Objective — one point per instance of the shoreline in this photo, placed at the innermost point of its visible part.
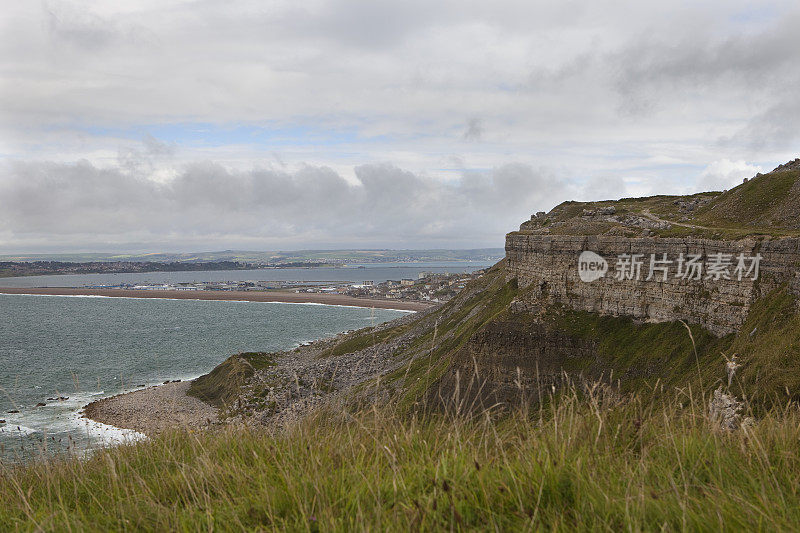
(241, 296)
(152, 410)
(148, 411)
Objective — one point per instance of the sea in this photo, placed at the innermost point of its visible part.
(66, 351)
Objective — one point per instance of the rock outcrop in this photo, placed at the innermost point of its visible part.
(704, 258)
(548, 266)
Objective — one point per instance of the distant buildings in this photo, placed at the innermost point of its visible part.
(433, 287)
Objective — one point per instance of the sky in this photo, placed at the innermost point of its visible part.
(179, 125)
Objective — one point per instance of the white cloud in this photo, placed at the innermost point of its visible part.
(618, 98)
(58, 206)
(726, 174)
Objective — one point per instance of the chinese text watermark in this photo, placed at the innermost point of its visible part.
(660, 267)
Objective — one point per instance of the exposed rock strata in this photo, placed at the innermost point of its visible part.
(548, 266)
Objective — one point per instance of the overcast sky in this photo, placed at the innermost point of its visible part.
(189, 125)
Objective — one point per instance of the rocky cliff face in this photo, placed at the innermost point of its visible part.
(548, 265)
(704, 258)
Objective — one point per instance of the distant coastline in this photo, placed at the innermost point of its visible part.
(260, 296)
(14, 269)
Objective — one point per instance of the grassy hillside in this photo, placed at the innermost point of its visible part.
(477, 336)
(767, 348)
(596, 464)
(221, 386)
(768, 204)
(767, 201)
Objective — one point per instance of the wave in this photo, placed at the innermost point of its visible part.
(17, 429)
(339, 305)
(104, 434)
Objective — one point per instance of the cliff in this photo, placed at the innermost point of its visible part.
(649, 274)
(549, 265)
(650, 295)
(645, 291)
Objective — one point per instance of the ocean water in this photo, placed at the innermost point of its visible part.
(86, 348)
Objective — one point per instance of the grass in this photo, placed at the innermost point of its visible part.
(639, 354)
(765, 206)
(361, 339)
(584, 463)
(431, 354)
(222, 386)
(762, 201)
(768, 347)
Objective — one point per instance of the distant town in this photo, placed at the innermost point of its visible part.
(427, 287)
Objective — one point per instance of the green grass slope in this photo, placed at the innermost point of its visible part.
(766, 205)
(221, 386)
(768, 201)
(579, 465)
(643, 355)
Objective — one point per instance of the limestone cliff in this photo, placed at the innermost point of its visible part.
(549, 265)
(600, 291)
(655, 267)
(650, 275)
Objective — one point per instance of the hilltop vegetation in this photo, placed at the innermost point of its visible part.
(766, 201)
(766, 205)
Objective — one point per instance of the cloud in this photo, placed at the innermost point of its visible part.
(725, 174)
(76, 26)
(135, 159)
(58, 205)
(474, 131)
(611, 187)
(530, 69)
(699, 69)
(225, 121)
(66, 24)
(774, 128)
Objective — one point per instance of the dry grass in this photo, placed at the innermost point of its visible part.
(588, 461)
